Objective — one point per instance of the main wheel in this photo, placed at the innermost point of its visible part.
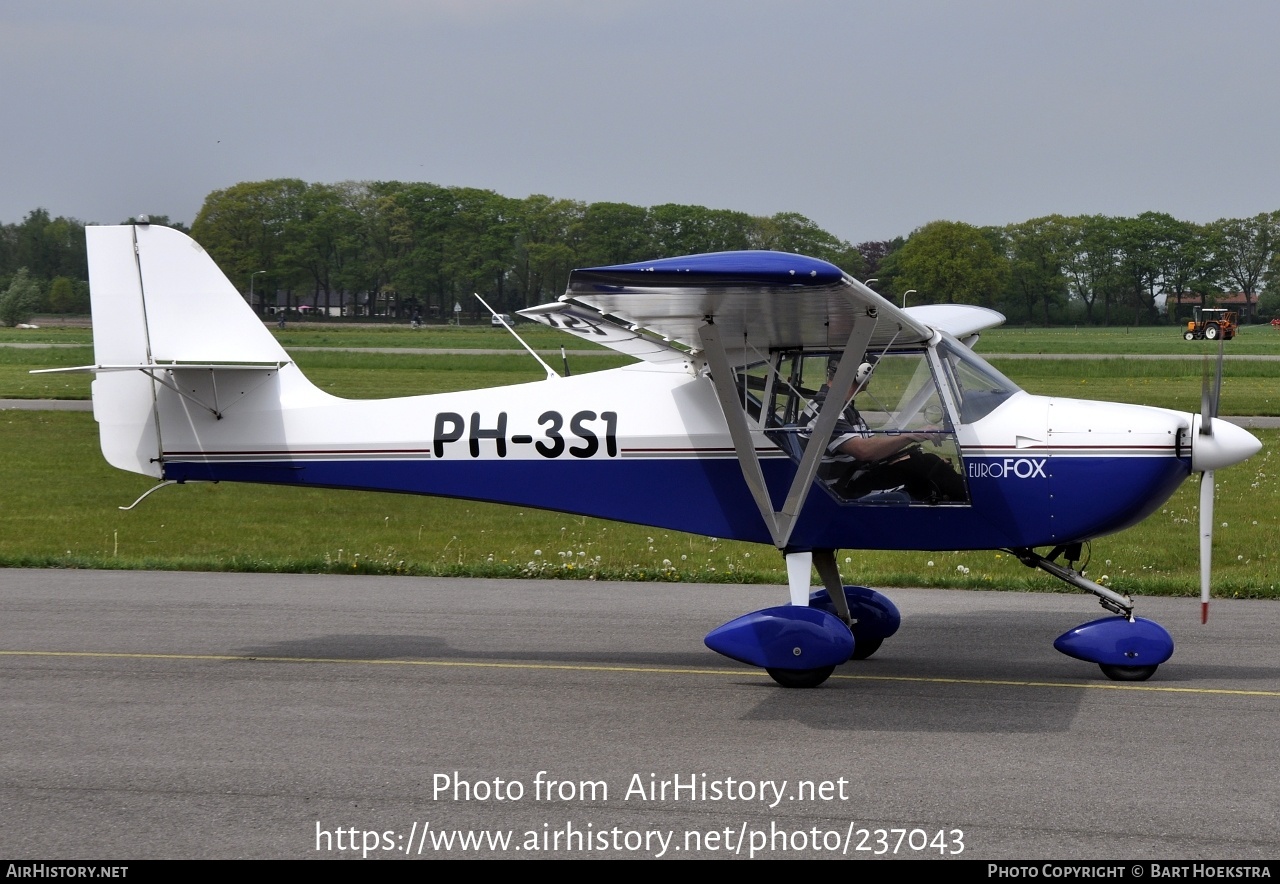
(865, 647)
(1190, 336)
(1211, 332)
(1127, 673)
(801, 678)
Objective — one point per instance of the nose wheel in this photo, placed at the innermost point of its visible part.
(865, 647)
(800, 678)
(1127, 673)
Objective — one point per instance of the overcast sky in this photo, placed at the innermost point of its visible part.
(869, 118)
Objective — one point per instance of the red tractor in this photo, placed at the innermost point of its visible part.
(1211, 323)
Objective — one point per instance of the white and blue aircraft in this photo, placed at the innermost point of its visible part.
(738, 359)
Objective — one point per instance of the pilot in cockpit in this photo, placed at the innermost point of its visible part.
(860, 462)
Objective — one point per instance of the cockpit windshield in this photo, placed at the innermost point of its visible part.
(978, 388)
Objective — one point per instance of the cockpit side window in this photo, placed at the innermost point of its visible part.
(914, 458)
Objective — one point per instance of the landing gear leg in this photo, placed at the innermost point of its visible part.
(865, 641)
(1125, 647)
(824, 560)
(1109, 599)
(799, 565)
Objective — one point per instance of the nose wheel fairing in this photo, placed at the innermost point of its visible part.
(1126, 649)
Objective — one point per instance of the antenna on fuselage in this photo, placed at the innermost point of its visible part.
(551, 372)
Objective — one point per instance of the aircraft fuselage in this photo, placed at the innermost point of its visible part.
(649, 446)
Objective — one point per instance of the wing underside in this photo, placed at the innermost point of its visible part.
(760, 300)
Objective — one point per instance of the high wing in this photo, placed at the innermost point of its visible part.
(964, 321)
(588, 324)
(731, 308)
(769, 300)
(759, 299)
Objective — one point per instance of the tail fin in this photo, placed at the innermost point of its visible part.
(159, 301)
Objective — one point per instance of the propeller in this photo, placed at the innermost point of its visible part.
(1216, 444)
(1209, 396)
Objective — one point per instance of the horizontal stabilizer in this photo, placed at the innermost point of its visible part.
(167, 366)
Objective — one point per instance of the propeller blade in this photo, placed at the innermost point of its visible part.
(1210, 396)
(1206, 540)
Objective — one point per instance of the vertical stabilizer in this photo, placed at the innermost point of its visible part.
(157, 297)
(194, 313)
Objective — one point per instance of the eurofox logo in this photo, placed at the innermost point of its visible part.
(1009, 468)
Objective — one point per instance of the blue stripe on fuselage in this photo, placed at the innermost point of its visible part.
(1064, 499)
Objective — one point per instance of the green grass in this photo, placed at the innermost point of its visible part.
(467, 337)
(60, 510)
(355, 375)
(17, 382)
(51, 334)
(1250, 388)
(1164, 340)
(1152, 340)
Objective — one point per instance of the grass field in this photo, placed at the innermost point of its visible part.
(1250, 388)
(354, 375)
(1163, 340)
(60, 503)
(60, 510)
(349, 334)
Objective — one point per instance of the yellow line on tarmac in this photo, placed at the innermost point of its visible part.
(1087, 685)
(255, 658)
(657, 670)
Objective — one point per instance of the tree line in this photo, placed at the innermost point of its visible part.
(44, 266)
(397, 248)
(1093, 269)
(402, 247)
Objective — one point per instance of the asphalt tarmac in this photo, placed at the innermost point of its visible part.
(185, 715)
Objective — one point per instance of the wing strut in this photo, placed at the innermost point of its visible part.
(782, 522)
(551, 372)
